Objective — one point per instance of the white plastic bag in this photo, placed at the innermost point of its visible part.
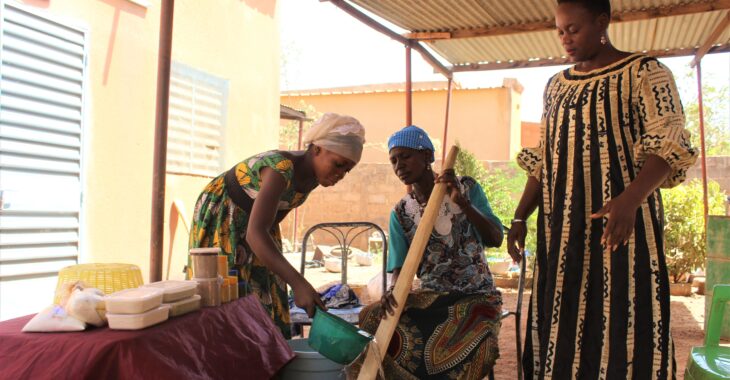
(53, 319)
(87, 305)
(375, 286)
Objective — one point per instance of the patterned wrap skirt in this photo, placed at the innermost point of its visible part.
(441, 335)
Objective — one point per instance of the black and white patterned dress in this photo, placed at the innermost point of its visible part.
(596, 314)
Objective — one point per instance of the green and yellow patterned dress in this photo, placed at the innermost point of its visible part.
(218, 222)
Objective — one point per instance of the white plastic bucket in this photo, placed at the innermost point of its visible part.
(309, 364)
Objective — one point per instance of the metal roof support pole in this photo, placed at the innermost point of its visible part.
(409, 87)
(707, 46)
(702, 139)
(164, 55)
(446, 123)
(296, 210)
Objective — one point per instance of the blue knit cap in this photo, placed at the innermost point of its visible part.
(411, 137)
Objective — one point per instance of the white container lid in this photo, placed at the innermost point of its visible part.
(206, 251)
(139, 321)
(218, 279)
(174, 290)
(135, 300)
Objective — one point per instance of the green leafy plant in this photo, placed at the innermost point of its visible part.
(684, 228)
(503, 189)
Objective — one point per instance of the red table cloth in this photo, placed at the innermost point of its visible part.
(235, 340)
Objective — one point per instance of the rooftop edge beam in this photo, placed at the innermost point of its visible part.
(565, 61)
(707, 45)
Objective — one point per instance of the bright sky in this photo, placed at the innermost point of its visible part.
(323, 47)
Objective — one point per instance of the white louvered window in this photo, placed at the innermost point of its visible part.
(196, 121)
(42, 69)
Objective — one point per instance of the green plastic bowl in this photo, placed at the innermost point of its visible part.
(336, 339)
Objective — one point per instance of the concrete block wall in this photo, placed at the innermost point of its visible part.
(369, 192)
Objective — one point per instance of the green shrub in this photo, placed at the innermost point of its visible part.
(503, 190)
(684, 228)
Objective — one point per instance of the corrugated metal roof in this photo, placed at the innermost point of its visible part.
(445, 15)
(689, 27)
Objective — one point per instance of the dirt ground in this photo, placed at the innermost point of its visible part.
(687, 316)
(357, 276)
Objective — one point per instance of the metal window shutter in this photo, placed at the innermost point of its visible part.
(41, 81)
(196, 120)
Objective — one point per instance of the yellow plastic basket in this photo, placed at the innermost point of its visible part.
(108, 278)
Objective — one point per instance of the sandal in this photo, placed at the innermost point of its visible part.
(313, 264)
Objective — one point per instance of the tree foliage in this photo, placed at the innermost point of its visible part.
(716, 113)
(289, 132)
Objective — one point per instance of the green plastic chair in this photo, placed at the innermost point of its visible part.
(711, 361)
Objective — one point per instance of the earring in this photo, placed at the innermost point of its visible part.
(604, 40)
(428, 167)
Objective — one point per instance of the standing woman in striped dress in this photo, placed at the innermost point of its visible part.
(612, 133)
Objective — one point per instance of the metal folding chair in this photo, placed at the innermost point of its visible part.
(345, 233)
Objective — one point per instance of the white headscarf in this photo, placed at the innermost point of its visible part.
(341, 134)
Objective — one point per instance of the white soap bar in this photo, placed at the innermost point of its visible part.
(184, 306)
(175, 290)
(133, 301)
(139, 321)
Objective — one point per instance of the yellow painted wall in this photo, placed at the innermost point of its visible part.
(233, 39)
(243, 48)
(484, 121)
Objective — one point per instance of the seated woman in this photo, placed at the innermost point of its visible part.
(240, 210)
(449, 327)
